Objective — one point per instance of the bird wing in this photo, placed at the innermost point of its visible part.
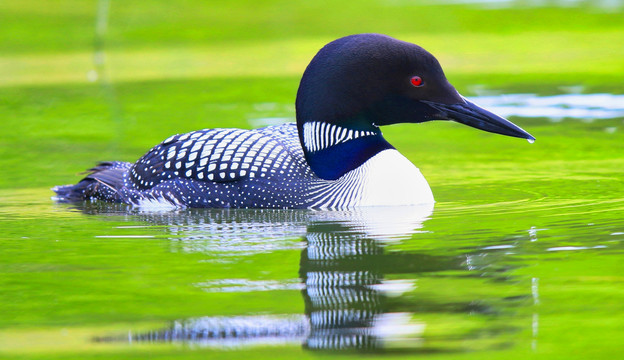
(210, 155)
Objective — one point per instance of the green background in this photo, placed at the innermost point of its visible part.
(175, 66)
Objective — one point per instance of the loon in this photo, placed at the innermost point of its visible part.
(333, 157)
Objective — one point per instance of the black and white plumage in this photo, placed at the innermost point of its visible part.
(333, 157)
(229, 168)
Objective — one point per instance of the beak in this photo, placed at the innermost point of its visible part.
(473, 115)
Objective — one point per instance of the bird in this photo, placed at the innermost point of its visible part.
(333, 157)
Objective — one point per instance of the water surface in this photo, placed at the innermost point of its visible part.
(514, 276)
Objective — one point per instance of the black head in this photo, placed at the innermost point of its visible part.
(364, 81)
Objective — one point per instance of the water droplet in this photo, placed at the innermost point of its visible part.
(531, 141)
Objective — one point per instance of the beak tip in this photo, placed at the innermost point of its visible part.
(525, 135)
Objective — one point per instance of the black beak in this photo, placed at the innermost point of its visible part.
(473, 115)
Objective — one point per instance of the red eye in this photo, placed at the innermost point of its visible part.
(417, 81)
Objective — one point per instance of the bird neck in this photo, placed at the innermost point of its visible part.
(332, 150)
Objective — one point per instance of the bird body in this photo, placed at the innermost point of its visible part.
(235, 168)
(334, 157)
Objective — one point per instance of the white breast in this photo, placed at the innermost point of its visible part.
(390, 179)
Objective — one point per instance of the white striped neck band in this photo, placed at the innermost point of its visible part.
(319, 135)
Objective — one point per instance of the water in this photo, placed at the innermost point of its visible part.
(497, 4)
(520, 256)
(573, 106)
(491, 277)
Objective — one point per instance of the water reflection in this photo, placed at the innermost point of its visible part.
(606, 5)
(354, 289)
(572, 106)
(343, 270)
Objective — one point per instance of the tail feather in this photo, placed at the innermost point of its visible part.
(103, 182)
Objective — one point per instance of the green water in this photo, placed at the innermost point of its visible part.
(520, 257)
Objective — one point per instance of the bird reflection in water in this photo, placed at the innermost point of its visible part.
(344, 270)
